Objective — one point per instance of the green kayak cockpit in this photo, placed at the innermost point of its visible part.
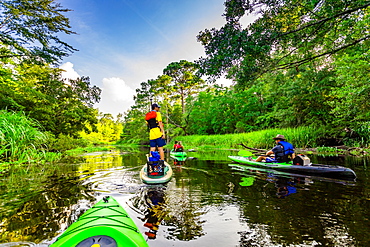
(98, 241)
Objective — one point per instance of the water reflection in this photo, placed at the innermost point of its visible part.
(160, 207)
(285, 186)
(35, 212)
(207, 203)
(151, 201)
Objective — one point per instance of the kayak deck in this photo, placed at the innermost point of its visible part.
(105, 224)
(312, 169)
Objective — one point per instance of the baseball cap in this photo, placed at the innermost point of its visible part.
(155, 105)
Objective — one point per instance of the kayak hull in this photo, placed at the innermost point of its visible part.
(177, 158)
(156, 179)
(178, 154)
(106, 224)
(312, 169)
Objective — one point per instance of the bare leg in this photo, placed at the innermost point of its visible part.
(151, 149)
(260, 158)
(161, 152)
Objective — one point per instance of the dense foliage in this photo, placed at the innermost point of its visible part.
(61, 107)
(29, 30)
(300, 63)
(286, 34)
(34, 98)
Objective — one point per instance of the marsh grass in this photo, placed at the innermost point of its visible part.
(21, 140)
(302, 137)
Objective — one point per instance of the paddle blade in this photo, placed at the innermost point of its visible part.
(247, 181)
(245, 153)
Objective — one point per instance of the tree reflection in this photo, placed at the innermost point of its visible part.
(34, 207)
(173, 210)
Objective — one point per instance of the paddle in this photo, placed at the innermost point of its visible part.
(254, 149)
(247, 181)
(245, 153)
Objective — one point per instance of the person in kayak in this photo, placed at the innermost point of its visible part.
(178, 147)
(156, 131)
(283, 151)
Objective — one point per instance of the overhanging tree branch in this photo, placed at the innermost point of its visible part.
(300, 62)
(325, 19)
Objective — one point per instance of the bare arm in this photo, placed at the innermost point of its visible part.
(162, 129)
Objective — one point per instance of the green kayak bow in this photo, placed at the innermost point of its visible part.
(106, 224)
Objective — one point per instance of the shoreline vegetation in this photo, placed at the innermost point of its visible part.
(23, 142)
(316, 96)
(306, 139)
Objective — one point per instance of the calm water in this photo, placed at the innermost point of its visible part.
(209, 202)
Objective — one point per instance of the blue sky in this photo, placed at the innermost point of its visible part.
(122, 43)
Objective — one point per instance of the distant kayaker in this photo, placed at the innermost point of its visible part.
(178, 147)
(156, 133)
(283, 151)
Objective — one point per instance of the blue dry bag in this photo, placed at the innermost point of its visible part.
(155, 156)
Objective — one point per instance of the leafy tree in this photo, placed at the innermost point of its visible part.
(351, 105)
(299, 98)
(181, 77)
(106, 130)
(286, 34)
(61, 107)
(224, 110)
(29, 28)
(178, 82)
(72, 105)
(134, 127)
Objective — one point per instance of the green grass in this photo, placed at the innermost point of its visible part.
(302, 137)
(21, 140)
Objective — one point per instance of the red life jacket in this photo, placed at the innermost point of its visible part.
(150, 117)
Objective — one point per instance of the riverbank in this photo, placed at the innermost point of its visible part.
(305, 139)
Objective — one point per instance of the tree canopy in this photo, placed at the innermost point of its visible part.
(29, 29)
(29, 48)
(286, 34)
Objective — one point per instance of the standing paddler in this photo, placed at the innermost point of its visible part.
(156, 131)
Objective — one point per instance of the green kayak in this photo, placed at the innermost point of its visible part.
(177, 158)
(310, 169)
(106, 224)
(178, 154)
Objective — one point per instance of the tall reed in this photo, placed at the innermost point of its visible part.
(301, 137)
(20, 138)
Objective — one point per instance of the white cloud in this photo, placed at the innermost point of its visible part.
(224, 82)
(69, 72)
(116, 97)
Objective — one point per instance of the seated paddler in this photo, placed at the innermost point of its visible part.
(282, 152)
